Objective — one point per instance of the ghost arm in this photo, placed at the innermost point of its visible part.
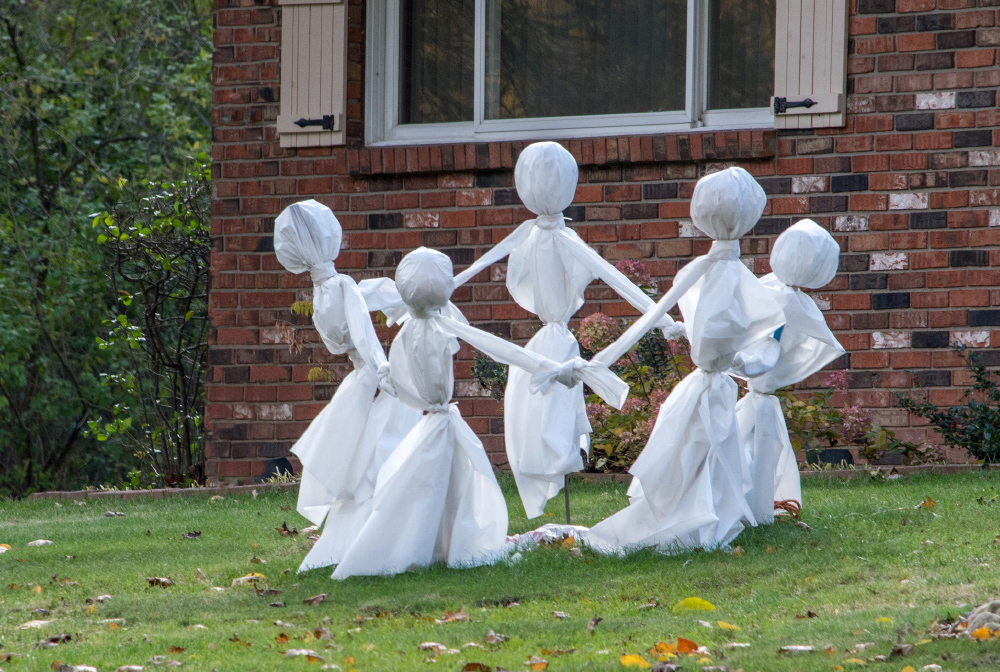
(684, 280)
(499, 251)
(545, 372)
(363, 336)
(757, 358)
(616, 280)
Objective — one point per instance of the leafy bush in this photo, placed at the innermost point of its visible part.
(973, 425)
(156, 237)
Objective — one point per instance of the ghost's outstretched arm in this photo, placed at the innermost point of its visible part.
(545, 372)
(498, 252)
(617, 281)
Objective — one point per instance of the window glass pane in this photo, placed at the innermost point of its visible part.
(740, 53)
(553, 58)
(437, 57)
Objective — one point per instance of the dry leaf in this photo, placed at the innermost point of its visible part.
(281, 638)
(176, 649)
(770, 550)
(36, 589)
(200, 575)
(982, 634)
(476, 667)
(561, 615)
(286, 507)
(247, 579)
(236, 640)
(829, 650)
(192, 535)
(632, 660)
(884, 619)
(114, 626)
(651, 604)
(728, 626)
(39, 542)
(536, 663)
(928, 503)
(738, 552)
(693, 604)
(494, 638)
(322, 633)
(285, 531)
(796, 648)
(309, 654)
(453, 616)
(33, 624)
(309, 530)
(130, 668)
(663, 649)
(161, 581)
(686, 646)
(257, 561)
(267, 592)
(315, 600)
(436, 647)
(592, 623)
(91, 610)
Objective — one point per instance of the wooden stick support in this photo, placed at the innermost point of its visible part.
(566, 495)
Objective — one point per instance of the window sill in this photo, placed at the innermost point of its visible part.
(450, 157)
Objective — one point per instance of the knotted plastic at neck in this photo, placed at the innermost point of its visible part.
(322, 272)
(550, 222)
(724, 250)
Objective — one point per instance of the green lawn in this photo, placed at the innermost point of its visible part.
(869, 557)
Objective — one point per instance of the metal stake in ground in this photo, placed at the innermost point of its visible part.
(566, 493)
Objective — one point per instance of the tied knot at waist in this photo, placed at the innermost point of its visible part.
(550, 222)
(322, 272)
(724, 250)
(440, 408)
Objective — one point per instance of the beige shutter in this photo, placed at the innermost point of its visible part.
(313, 72)
(810, 63)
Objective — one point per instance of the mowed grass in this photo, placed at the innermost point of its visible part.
(859, 566)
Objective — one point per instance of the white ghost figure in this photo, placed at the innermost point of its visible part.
(547, 274)
(805, 255)
(687, 489)
(436, 498)
(345, 444)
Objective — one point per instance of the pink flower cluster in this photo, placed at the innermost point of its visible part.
(635, 271)
(857, 420)
(597, 331)
(597, 413)
(839, 380)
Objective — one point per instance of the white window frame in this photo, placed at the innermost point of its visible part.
(382, 127)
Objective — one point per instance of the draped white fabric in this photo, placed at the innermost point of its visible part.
(547, 273)
(340, 449)
(805, 255)
(688, 486)
(436, 497)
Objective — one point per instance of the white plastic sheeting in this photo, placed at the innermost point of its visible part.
(805, 255)
(547, 273)
(436, 497)
(340, 449)
(688, 486)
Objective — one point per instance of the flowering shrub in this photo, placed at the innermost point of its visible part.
(637, 273)
(974, 425)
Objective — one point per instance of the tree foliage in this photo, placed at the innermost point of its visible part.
(89, 92)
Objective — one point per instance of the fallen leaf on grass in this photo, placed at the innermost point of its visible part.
(282, 638)
(308, 654)
(561, 615)
(130, 668)
(808, 614)
(663, 649)
(236, 640)
(686, 646)
(114, 514)
(160, 581)
(536, 663)
(453, 616)
(177, 649)
(737, 645)
(39, 542)
(257, 561)
(651, 604)
(592, 623)
(53, 641)
(200, 575)
(494, 638)
(704, 624)
(476, 667)
(322, 633)
(802, 526)
(728, 626)
(36, 589)
(162, 660)
(693, 604)
(309, 530)
(33, 624)
(285, 531)
(738, 552)
(885, 620)
(632, 660)
(315, 600)
(797, 648)
(666, 666)
(267, 592)
(901, 650)
(247, 579)
(286, 507)
(856, 661)
(192, 535)
(114, 626)
(928, 503)
(100, 598)
(829, 650)
(436, 647)
(981, 635)
(770, 550)
(908, 668)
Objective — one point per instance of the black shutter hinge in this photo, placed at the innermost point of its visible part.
(328, 122)
(781, 105)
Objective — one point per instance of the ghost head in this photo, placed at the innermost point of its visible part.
(306, 235)
(727, 204)
(425, 279)
(805, 255)
(545, 176)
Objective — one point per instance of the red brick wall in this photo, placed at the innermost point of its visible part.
(910, 188)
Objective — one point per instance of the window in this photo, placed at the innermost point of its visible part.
(475, 70)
